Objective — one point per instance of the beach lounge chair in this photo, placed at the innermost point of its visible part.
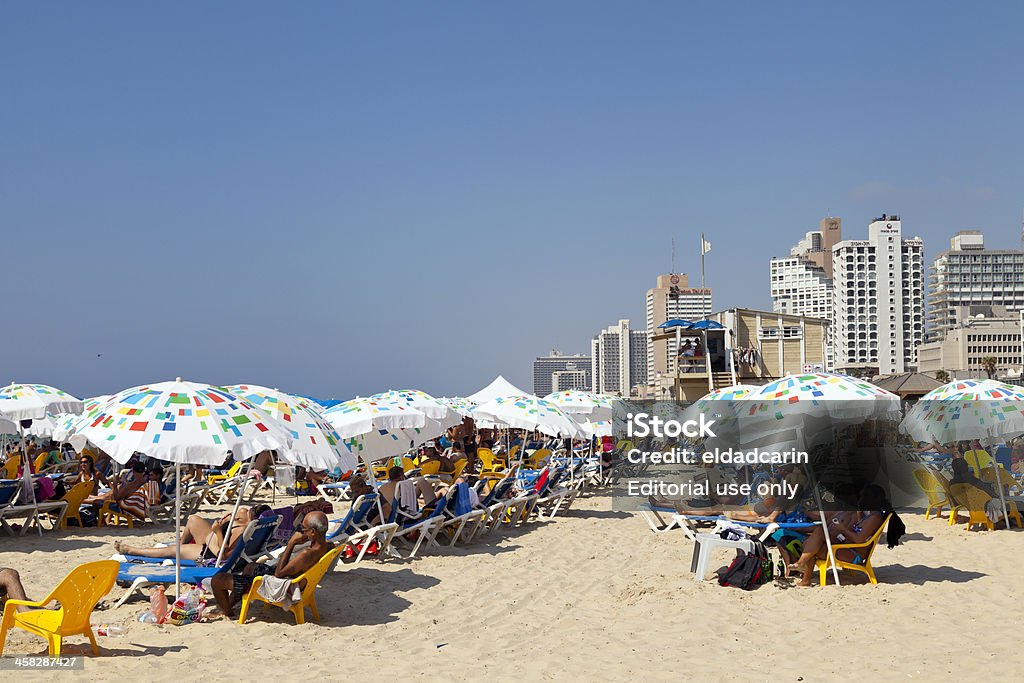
(308, 580)
(937, 498)
(864, 550)
(31, 512)
(462, 521)
(139, 575)
(417, 531)
(974, 501)
(77, 595)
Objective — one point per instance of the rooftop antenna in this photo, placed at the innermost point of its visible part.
(673, 271)
(1022, 228)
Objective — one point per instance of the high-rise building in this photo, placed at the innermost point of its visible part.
(968, 274)
(619, 359)
(671, 298)
(878, 300)
(801, 283)
(546, 366)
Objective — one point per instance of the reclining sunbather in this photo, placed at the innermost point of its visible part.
(196, 528)
(229, 588)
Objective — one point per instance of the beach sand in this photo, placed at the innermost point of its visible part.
(592, 595)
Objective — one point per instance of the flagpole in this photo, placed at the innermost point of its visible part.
(702, 260)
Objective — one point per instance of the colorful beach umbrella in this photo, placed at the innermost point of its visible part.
(967, 409)
(597, 407)
(181, 422)
(527, 412)
(34, 401)
(363, 415)
(315, 442)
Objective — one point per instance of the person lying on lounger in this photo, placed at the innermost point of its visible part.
(229, 588)
(200, 540)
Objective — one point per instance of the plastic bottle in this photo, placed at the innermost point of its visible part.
(158, 603)
(147, 618)
(111, 631)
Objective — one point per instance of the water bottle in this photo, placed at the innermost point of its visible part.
(111, 631)
(147, 618)
(158, 604)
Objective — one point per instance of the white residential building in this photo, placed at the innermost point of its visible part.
(968, 274)
(801, 283)
(619, 359)
(878, 300)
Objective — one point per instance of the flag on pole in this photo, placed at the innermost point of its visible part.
(705, 246)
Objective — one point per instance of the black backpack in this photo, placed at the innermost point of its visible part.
(749, 570)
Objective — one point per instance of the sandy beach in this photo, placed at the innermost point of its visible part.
(591, 595)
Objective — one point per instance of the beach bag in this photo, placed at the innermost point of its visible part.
(749, 570)
(188, 608)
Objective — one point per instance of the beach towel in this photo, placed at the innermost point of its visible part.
(280, 591)
(408, 501)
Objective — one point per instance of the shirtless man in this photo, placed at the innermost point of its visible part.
(229, 588)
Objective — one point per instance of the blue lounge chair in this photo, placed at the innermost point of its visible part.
(257, 541)
(142, 575)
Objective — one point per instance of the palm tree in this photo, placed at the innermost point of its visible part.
(942, 376)
(988, 364)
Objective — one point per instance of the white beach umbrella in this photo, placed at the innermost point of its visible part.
(528, 412)
(315, 442)
(32, 402)
(595, 407)
(363, 415)
(181, 422)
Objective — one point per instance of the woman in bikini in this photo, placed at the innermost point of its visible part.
(849, 527)
(196, 528)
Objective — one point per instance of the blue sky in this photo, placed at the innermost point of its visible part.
(338, 198)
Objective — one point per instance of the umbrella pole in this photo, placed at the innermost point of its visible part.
(26, 478)
(998, 479)
(821, 512)
(231, 522)
(177, 530)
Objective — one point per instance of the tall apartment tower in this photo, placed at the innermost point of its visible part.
(619, 359)
(878, 300)
(671, 298)
(968, 274)
(801, 283)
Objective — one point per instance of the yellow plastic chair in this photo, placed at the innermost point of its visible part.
(937, 498)
(974, 501)
(1000, 475)
(430, 467)
(866, 568)
(109, 517)
(536, 459)
(11, 467)
(954, 504)
(312, 577)
(460, 465)
(77, 594)
(74, 498)
(408, 463)
(489, 462)
(232, 471)
(978, 460)
(513, 453)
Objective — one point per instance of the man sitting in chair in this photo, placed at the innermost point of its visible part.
(229, 588)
